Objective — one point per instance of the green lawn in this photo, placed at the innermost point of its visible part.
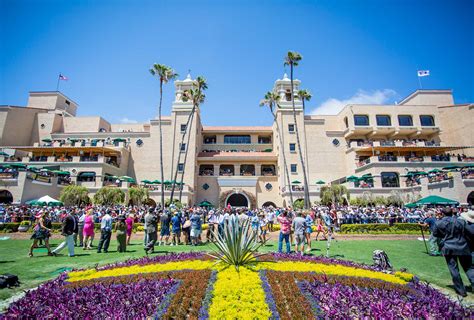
(14, 259)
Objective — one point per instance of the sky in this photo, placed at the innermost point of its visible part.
(353, 52)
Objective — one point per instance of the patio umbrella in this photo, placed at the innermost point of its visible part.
(167, 182)
(296, 182)
(44, 201)
(411, 205)
(156, 182)
(352, 178)
(205, 204)
(435, 171)
(436, 200)
(146, 181)
(320, 182)
(47, 140)
(453, 167)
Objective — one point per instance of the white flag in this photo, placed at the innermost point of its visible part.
(423, 73)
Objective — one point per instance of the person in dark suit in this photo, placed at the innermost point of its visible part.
(151, 221)
(69, 227)
(454, 244)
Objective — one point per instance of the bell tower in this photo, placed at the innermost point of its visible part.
(181, 103)
(283, 88)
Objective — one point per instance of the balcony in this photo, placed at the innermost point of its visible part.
(227, 147)
(13, 175)
(387, 158)
(412, 161)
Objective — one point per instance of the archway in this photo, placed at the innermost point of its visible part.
(237, 200)
(6, 196)
(268, 204)
(470, 198)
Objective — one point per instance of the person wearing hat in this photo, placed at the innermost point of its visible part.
(151, 221)
(454, 236)
(40, 232)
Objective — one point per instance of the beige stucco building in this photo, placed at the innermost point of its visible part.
(382, 145)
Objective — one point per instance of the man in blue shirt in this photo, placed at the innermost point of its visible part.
(433, 241)
(175, 229)
(105, 232)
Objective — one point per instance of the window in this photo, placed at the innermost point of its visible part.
(183, 128)
(182, 147)
(264, 139)
(292, 147)
(390, 180)
(180, 167)
(427, 121)
(361, 120)
(293, 168)
(288, 95)
(291, 128)
(210, 139)
(405, 121)
(237, 139)
(383, 120)
(68, 103)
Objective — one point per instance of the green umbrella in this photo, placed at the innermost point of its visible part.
(320, 182)
(167, 182)
(296, 182)
(156, 182)
(352, 178)
(205, 204)
(436, 200)
(44, 201)
(435, 171)
(125, 178)
(453, 167)
(411, 205)
(47, 140)
(4, 154)
(61, 173)
(417, 173)
(146, 181)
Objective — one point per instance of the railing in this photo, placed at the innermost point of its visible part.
(440, 177)
(363, 162)
(387, 143)
(442, 157)
(388, 158)
(414, 159)
(8, 175)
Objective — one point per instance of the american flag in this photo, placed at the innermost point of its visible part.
(423, 73)
(61, 77)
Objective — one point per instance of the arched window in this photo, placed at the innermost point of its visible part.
(390, 180)
(405, 120)
(427, 121)
(361, 120)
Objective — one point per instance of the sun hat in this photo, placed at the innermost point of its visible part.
(468, 216)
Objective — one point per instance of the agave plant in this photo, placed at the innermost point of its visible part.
(237, 244)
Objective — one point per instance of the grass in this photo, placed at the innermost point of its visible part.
(409, 254)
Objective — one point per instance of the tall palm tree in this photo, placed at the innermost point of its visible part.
(292, 59)
(197, 96)
(164, 74)
(304, 95)
(271, 100)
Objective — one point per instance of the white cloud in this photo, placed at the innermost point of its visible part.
(128, 121)
(333, 105)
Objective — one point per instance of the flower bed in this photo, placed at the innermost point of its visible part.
(192, 286)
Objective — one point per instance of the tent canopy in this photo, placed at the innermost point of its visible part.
(45, 201)
(320, 182)
(205, 204)
(295, 182)
(432, 200)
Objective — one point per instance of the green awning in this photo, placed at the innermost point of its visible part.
(4, 154)
(411, 205)
(61, 173)
(156, 182)
(18, 165)
(205, 204)
(147, 181)
(320, 182)
(6, 166)
(167, 182)
(453, 167)
(352, 178)
(436, 200)
(417, 173)
(47, 140)
(295, 182)
(87, 174)
(435, 171)
(119, 140)
(470, 165)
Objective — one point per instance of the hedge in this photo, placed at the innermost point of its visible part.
(374, 228)
(56, 227)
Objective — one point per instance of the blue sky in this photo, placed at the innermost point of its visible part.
(362, 51)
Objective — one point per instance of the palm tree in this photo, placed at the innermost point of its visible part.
(271, 100)
(165, 74)
(304, 95)
(197, 96)
(292, 59)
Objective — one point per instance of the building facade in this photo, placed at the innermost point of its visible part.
(375, 150)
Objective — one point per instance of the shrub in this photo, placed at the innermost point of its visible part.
(75, 196)
(397, 228)
(109, 196)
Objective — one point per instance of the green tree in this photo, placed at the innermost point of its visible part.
(197, 96)
(73, 195)
(164, 74)
(108, 196)
(138, 195)
(271, 100)
(176, 202)
(335, 194)
(292, 59)
(298, 204)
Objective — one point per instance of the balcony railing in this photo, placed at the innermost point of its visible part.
(387, 158)
(8, 175)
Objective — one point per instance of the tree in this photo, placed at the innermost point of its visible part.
(176, 202)
(165, 74)
(304, 95)
(75, 196)
(292, 59)
(108, 196)
(298, 204)
(335, 194)
(197, 96)
(138, 195)
(271, 100)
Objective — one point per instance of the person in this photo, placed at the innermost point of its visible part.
(455, 247)
(320, 227)
(129, 223)
(187, 229)
(285, 228)
(121, 234)
(211, 225)
(80, 228)
(309, 224)
(175, 229)
(40, 232)
(299, 225)
(105, 232)
(255, 224)
(196, 227)
(263, 227)
(165, 228)
(430, 222)
(88, 230)
(151, 221)
(69, 227)
(270, 218)
(468, 216)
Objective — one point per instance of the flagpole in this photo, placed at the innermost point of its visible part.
(57, 85)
